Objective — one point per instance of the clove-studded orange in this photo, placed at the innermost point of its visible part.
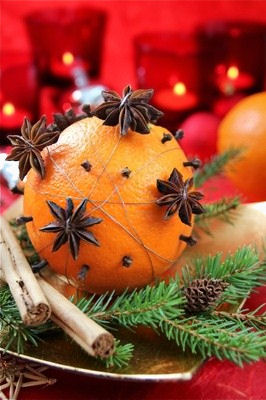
(97, 214)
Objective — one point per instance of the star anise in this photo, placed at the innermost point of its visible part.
(28, 146)
(178, 197)
(71, 225)
(62, 121)
(131, 111)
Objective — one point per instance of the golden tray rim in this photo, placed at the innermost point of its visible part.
(176, 376)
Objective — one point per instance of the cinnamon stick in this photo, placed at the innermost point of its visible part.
(72, 334)
(16, 271)
(94, 339)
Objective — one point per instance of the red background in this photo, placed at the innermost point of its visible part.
(216, 380)
(125, 20)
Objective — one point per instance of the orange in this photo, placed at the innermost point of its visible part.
(132, 223)
(245, 127)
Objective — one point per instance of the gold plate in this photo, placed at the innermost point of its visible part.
(155, 358)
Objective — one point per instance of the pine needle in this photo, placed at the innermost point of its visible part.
(141, 307)
(242, 271)
(249, 318)
(222, 209)
(219, 337)
(121, 356)
(215, 166)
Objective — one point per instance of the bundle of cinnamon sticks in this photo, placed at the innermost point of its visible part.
(38, 301)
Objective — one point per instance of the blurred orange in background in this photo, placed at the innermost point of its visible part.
(245, 127)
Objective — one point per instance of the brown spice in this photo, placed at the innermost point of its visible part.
(131, 111)
(62, 121)
(178, 198)
(37, 267)
(27, 147)
(83, 272)
(23, 220)
(179, 134)
(126, 172)
(127, 261)
(86, 165)
(166, 137)
(70, 226)
(191, 241)
(195, 163)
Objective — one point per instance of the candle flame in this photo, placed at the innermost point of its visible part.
(8, 109)
(76, 95)
(232, 72)
(180, 89)
(67, 58)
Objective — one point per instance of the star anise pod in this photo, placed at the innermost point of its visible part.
(62, 121)
(27, 147)
(179, 198)
(129, 111)
(71, 225)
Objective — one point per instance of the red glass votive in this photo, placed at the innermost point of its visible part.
(64, 39)
(18, 95)
(168, 63)
(235, 57)
(223, 104)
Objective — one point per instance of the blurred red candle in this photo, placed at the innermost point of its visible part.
(64, 67)
(176, 99)
(224, 104)
(234, 80)
(11, 117)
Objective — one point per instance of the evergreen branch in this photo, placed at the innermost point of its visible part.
(244, 273)
(235, 336)
(14, 334)
(241, 270)
(215, 166)
(248, 318)
(221, 209)
(140, 307)
(121, 356)
(219, 337)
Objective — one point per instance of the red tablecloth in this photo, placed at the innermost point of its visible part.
(215, 381)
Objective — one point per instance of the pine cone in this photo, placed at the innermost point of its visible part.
(202, 293)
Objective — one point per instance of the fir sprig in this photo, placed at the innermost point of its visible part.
(225, 337)
(215, 166)
(15, 335)
(141, 307)
(249, 318)
(121, 356)
(242, 271)
(219, 337)
(234, 336)
(221, 209)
